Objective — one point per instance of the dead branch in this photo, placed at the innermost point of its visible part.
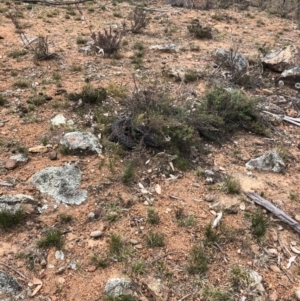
(9, 267)
(49, 3)
(165, 255)
(273, 209)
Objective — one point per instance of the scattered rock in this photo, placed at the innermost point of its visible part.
(59, 255)
(210, 198)
(115, 287)
(290, 77)
(165, 48)
(273, 296)
(53, 156)
(9, 287)
(58, 119)
(77, 141)
(281, 59)
(239, 63)
(62, 183)
(38, 149)
(275, 268)
(269, 161)
(256, 281)
(297, 294)
(96, 234)
(13, 202)
(157, 289)
(10, 164)
(297, 218)
(92, 268)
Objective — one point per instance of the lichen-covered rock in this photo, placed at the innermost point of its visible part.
(269, 161)
(9, 287)
(62, 183)
(115, 287)
(77, 141)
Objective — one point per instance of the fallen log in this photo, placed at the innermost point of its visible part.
(273, 209)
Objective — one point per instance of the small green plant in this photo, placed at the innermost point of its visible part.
(117, 91)
(210, 235)
(52, 238)
(197, 261)
(129, 174)
(239, 278)
(10, 219)
(21, 83)
(259, 225)
(215, 294)
(155, 239)
(89, 94)
(293, 196)
(75, 68)
(138, 267)
(3, 100)
(17, 53)
(117, 247)
(80, 41)
(100, 262)
(184, 220)
(182, 163)
(113, 213)
(64, 150)
(37, 100)
(153, 217)
(65, 218)
(56, 76)
(190, 76)
(232, 185)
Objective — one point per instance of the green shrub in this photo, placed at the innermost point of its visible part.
(52, 238)
(259, 225)
(3, 100)
(89, 94)
(197, 261)
(10, 219)
(155, 239)
(17, 53)
(232, 185)
(153, 217)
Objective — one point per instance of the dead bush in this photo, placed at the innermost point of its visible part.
(109, 41)
(199, 31)
(140, 20)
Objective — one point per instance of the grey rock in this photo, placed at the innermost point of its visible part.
(20, 158)
(62, 183)
(282, 59)
(238, 61)
(165, 48)
(290, 77)
(8, 286)
(256, 278)
(13, 202)
(77, 141)
(53, 156)
(269, 161)
(115, 287)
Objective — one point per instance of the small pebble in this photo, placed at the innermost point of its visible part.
(53, 156)
(96, 234)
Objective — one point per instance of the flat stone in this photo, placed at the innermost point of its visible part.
(58, 119)
(297, 218)
(115, 287)
(297, 294)
(275, 268)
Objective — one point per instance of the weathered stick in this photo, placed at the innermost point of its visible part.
(49, 3)
(276, 211)
(292, 120)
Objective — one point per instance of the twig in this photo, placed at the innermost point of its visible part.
(6, 184)
(162, 256)
(49, 3)
(221, 250)
(9, 267)
(184, 297)
(148, 9)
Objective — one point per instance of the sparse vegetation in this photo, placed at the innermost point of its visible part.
(197, 261)
(52, 238)
(239, 278)
(17, 53)
(153, 217)
(89, 94)
(21, 83)
(11, 218)
(232, 185)
(3, 100)
(215, 294)
(65, 218)
(117, 247)
(155, 240)
(100, 261)
(139, 20)
(259, 225)
(129, 173)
